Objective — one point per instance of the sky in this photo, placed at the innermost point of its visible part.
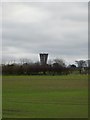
(59, 29)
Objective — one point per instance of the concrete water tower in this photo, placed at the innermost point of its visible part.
(43, 58)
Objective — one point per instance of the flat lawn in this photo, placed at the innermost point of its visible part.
(45, 96)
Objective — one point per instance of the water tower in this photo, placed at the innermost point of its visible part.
(43, 58)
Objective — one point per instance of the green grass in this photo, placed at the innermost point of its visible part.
(45, 96)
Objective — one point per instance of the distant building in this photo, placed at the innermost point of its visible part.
(43, 58)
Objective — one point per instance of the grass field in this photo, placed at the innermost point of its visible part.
(45, 96)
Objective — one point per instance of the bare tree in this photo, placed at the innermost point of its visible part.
(81, 63)
(60, 62)
(25, 60)
(50, 62)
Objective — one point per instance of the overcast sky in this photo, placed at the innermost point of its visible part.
(60, 29)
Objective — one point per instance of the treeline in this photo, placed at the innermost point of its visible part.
(58, 67)
(27, 69)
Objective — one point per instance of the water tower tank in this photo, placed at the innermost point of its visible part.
(43, 58)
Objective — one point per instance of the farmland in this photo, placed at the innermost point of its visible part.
(63, 96)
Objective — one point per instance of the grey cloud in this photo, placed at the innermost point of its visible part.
(59, 32)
